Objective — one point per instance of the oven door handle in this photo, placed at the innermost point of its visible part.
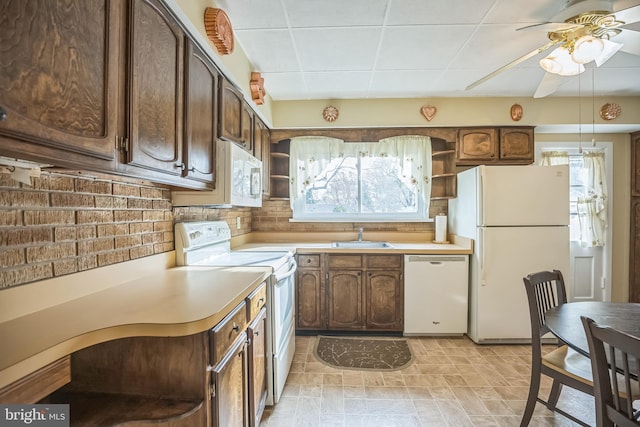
(293, 266)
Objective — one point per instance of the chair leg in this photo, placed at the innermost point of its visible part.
(534, 388)
(554, 394)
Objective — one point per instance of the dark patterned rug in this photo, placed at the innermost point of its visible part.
(372, 353)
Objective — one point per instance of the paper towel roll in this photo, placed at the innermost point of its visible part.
(441, 228)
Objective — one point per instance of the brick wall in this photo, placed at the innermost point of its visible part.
(275, 216)
(65, 223)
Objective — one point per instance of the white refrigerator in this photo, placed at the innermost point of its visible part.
(518, 217)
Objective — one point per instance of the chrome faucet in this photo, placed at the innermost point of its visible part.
(360, 230)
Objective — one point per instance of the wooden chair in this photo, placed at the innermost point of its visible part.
(545, 290)
(613, 407)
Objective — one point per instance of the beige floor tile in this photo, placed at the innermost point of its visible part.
(451, 382)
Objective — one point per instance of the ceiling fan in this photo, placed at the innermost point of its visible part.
(584, 31)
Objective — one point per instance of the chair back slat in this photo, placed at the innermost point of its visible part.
(613, 392)
(545, 290)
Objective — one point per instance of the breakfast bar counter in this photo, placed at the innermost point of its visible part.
(173, 302)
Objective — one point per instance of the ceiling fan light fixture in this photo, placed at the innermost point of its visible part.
(560, 62)
(587, 48)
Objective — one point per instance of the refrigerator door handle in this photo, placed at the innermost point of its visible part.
(482, 255)
(481, 190)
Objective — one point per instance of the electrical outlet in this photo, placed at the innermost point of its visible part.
(238, 222)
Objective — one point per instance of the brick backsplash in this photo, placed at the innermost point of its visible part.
(275, 216)
(65, 223)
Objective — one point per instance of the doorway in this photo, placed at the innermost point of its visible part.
(590, 275)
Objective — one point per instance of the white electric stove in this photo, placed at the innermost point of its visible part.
(207, 243)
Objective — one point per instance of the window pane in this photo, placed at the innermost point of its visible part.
(383, 187)
(335, 190)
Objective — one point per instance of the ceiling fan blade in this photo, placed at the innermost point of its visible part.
(549, 27)
(549, 84)
(630, 41)
(629, 15)
(512, 64)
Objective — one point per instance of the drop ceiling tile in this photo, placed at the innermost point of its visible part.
(335, 13)
(269, 50)
(254, 13)
(338, 85)
(405, 83)
(284, 86)
(438, 12)
(348, 49)
(421, 47)
(523, 12)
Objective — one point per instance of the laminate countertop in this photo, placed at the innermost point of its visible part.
(402, 243)
(173, 302)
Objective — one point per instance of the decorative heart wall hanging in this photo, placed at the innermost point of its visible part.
(428, 111)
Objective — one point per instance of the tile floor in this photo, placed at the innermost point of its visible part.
(451, 382)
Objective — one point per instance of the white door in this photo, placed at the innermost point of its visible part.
(590, 266)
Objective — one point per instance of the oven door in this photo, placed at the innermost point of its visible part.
(283, 299)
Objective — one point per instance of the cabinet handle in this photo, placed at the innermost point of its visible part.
(256, 333)
(236, 327)
(181, 166)
(3, 115)
(308, 261)
(261, 300)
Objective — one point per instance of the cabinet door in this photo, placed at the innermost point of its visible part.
(309, 299)
(634, 252)
(261, 149)
(156, 47)
(384, 300)
(477, 146)
(516, 145)
(257, 367)
(246, 122)
(229, 398)
(231, 107)
(59, 81)
(635, 164)
(201, 116)
(345, 300)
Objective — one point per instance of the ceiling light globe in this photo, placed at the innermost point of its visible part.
(586, 49)
(550, 65)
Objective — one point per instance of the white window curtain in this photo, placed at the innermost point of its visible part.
(553, 158)
(309, 155)
(592, 210)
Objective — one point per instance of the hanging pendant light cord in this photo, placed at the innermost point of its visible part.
(579, 117)
(593, 106)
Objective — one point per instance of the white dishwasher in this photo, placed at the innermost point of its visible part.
(436, 294)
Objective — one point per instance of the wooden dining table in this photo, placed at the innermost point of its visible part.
(564, 320)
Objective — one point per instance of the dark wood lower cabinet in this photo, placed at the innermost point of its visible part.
(350, 293)
(257, 365)
(229, 393)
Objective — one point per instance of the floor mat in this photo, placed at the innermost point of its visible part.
(370, 353)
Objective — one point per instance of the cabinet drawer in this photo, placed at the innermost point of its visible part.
(227, 331)
(308, 261)
(38, 384)
(345, 261)
(384, 261)
(256, 301)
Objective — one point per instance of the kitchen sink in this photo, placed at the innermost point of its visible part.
(361, 244)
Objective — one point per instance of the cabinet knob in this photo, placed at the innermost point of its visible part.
(3, 114)
(181, 166)
(236, 327)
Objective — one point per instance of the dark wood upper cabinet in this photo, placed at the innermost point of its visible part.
(230, 112)
(201, 116)
(262, 150)
(477, 146)
(634, 223)
(516, 145)
(155, 88)
(236, 116)
(59, 81)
